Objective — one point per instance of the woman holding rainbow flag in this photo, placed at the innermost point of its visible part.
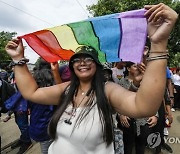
(82, 122)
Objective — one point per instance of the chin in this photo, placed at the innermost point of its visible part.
(85, 76)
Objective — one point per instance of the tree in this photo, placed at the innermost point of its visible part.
(174, 40)
(175, 61)
(4, 38)
(104, 7)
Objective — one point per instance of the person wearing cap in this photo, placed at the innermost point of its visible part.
(107, 73)
(82, 122)
(135, 130)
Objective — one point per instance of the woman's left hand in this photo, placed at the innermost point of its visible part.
(139, 76)
(170, 118)
(161, 19)
(55, 66)
(152, 121)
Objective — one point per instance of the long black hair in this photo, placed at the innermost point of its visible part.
(127, 65)
(103, 105)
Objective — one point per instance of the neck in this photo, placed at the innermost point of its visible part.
(130, 77)
(84, 87)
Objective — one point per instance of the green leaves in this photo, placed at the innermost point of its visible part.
(4, 38)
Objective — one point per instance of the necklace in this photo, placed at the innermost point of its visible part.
(82, 91)
(73, 113)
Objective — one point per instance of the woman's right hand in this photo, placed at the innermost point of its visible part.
(15, 49)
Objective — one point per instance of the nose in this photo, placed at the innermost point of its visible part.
(82, 62)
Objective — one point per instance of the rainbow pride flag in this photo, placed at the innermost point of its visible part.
(116, 37)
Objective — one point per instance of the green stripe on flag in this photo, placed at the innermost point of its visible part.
(84, 34)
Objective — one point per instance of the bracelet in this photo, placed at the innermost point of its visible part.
(171, 97)
(133, 87)
(20, 62)
(167, 54)
(161, 54)
(164, 56)
(158, 52)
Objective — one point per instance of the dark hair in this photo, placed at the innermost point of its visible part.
(43, 77)
(103, 105)
(42, 64)
(127, 65)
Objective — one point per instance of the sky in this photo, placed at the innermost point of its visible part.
(29, 16)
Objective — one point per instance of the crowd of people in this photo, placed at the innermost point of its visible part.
(90, 107)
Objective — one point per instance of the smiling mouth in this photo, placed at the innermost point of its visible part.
(83, 69)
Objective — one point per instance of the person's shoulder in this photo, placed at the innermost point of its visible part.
(64, 84)
(168, 74)
(110, 84)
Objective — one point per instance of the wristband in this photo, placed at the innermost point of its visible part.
(133, 87)
(22, 61)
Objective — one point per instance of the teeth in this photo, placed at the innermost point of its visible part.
(83, 69)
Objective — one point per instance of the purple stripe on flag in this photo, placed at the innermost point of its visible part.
(134, 13)
(133, 39)
(134, 33)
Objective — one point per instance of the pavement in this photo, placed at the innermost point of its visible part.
(10, 133)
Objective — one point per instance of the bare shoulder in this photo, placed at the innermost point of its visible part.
(62, 86)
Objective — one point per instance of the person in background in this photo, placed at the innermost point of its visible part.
(107, 72)
(3, 73)
(11, 80)
(161, 123)
(118, 134)
(41, 114)
(135, 131)
(170, 86)
(6, 91)
(169, 97)
(176, 81)
(85, 103)
(19, 106)
(165, 118)
(65, 73)
(118, 71)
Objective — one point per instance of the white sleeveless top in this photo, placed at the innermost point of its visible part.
(87, 137)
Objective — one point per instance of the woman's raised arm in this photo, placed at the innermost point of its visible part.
(26, 83)
(148, 98)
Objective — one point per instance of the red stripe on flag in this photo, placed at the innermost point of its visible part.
(45, 44)
(49, 40)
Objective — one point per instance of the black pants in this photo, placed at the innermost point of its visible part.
(159, 128)
(130, 138)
